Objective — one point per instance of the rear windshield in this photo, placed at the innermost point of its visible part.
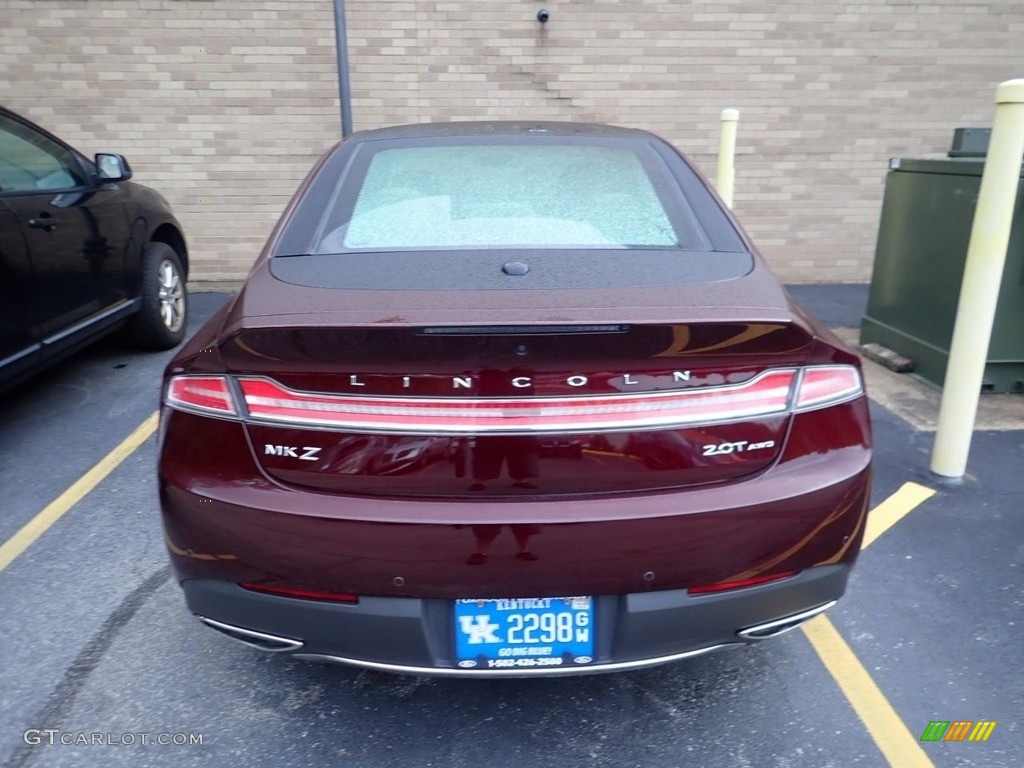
(531, 195)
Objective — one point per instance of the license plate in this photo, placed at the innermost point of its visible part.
(517, 633)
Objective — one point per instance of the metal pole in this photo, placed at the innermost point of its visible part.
(341, 46)
(983, 272)
(727, 156)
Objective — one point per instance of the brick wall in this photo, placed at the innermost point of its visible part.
(224, 105)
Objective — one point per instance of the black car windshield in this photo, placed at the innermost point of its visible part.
(493, 195)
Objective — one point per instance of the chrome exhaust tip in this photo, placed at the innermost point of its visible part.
(779, 626)
(250, 637)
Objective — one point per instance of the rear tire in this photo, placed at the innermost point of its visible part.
(163, 311)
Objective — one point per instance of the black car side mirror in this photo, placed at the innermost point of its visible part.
(111, 168)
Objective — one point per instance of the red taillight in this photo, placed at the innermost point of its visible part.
(210, 394)
(305, 594)
(765, 394)
(727, 585)
(825, 385)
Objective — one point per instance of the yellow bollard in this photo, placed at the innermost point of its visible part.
(983, 272)
(727, 156)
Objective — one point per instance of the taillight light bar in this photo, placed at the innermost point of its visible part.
(207, 394)
(764, 395)
(767, 394)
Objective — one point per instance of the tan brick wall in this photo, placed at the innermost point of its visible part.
(224, 105)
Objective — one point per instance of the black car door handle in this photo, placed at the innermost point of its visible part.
(46, 223)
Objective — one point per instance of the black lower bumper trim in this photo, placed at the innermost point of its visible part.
(411, 635)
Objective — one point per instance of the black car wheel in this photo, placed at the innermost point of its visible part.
(160, 321)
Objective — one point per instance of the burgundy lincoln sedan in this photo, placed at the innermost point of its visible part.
(511, 398)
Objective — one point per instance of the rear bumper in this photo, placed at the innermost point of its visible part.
(413, 635)
(225, 521)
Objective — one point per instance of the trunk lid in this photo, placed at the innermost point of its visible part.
(523, 408)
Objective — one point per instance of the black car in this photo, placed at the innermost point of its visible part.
(83, 252)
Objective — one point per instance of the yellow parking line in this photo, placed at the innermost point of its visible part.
(897, 744)
(886, 728)
(56, 509)
(892, 510)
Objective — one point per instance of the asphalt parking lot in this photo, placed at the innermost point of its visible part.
(97, 649)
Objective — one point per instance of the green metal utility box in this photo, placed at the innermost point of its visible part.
(927, 215)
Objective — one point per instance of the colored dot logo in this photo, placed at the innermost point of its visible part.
(958, 730)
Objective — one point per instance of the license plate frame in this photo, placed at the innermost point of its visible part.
(513, 633)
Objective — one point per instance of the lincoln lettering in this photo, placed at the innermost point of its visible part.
(525, 382)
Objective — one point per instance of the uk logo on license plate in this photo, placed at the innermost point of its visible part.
(518, 633)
